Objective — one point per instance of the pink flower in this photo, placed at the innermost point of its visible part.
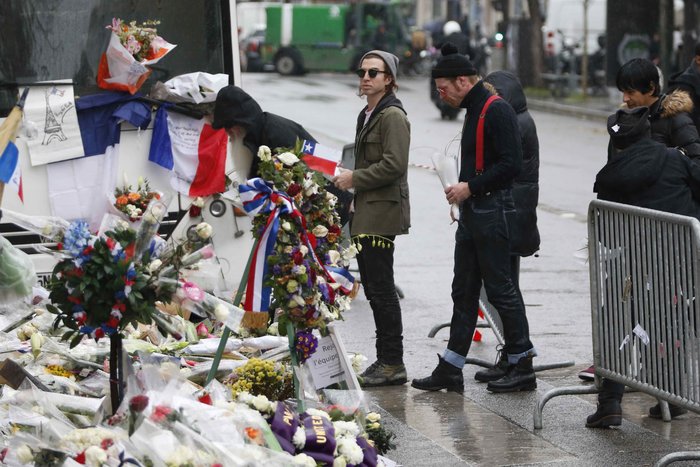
(160, 413)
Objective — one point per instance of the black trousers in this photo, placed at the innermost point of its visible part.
(482, 255)
(376, 263)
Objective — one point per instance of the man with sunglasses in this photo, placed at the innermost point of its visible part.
(381, 207)
(491, 157)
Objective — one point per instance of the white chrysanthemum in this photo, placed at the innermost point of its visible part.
(303, 460)
(221, 312)
(95, 456)
(339, 462)
(264, 153)
(350, 450)
(345, 429)
(286, 226)
(261, 403)
(299, 438)
(373, 417)
(304, 250)
(287, 158)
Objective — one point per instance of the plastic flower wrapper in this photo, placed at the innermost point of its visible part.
(17, 275)
(131, 48)
(49, 227)
(447, 168)
(154, 214)
(210, 306)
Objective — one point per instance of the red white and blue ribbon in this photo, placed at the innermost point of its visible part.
(342, 277)
(259, 198)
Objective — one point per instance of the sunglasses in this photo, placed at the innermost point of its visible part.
(372, 72)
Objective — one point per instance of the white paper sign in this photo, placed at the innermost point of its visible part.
(641, 333)
(51, 109)
(324, 364)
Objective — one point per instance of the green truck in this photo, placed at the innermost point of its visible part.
(332, 37)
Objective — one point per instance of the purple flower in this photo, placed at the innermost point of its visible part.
(306, 344)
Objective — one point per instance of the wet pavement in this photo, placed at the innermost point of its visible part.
(484, 429)
(477, 427)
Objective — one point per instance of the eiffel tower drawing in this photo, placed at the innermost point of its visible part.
(52, 127)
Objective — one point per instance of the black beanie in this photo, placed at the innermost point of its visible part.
(627, 126)
(452, 64)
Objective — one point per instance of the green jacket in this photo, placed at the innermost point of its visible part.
(380, 177)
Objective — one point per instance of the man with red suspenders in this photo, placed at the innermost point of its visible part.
(491, 157)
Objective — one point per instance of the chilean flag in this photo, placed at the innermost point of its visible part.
(193, 150)
(320, 158)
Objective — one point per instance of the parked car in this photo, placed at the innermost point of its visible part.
(251, 46)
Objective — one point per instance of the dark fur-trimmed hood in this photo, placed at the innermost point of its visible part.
(670, 104)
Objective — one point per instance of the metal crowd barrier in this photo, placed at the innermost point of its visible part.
(644, 275)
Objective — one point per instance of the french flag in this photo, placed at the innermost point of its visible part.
(320, 158)
(10, 173)
(193, 150)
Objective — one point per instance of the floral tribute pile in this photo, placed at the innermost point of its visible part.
(123, 281)
(140, 40)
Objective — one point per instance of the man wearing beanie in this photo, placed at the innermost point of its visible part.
(646, 173)
(382, 210)
(482, 248)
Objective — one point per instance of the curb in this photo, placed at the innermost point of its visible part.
(569, 110)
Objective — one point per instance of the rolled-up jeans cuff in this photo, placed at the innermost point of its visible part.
(513, 358)
(454, 359)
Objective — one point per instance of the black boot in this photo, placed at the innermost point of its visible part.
(445, 376)
(520, 377)
(655, 412)
(609, 414)
(497, 371)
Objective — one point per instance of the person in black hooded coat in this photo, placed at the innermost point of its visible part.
(645, 173)
(241, 116)
(525, 237)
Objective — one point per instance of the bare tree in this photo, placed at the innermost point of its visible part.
(535, 51)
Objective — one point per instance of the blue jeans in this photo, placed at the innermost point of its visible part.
(482, 255)
(376, 264)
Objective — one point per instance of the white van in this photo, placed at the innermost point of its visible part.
(69, 45)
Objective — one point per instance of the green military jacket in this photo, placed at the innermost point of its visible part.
(380, 177)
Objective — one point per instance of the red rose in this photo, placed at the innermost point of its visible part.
(99, 333)
(113, 322)
(293, 189)
(297, 257)
(195, 211)
(107, 443)
(80, 458)
(334, 229)
(138, 403)
(205, 399)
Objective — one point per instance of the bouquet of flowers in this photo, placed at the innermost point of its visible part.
(103, 283)
(131, 48)
(133, 202)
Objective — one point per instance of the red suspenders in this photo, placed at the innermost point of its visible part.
(480, 135)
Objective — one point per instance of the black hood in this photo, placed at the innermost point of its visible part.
(509, 88)
(234, 106)
(389, 100)
(634, 169)
(688, 77)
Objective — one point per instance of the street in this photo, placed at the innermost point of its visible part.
(479, 428)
